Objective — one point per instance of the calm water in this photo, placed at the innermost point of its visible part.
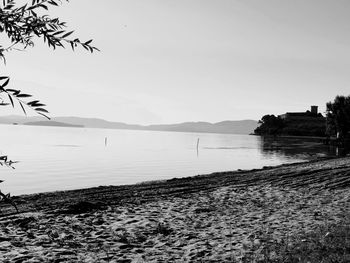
(69, 158)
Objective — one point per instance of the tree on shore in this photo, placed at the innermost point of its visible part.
(22, 25)
(270, 125)
(338, 117)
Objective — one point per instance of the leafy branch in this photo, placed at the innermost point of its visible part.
(12, 94)
(22, 24)
(7, 198)
(4, 161)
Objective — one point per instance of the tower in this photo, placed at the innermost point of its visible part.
(314, 110)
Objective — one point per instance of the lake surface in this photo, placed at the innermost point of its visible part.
(55, 158)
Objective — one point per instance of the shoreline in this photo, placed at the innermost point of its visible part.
(175, 186)
(291, 136)
(218, 217)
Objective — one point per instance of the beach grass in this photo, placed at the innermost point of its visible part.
(328, 243)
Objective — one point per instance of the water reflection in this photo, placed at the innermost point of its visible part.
(302, 148)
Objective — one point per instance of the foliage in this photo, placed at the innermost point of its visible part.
(316, 127)
(22, 25)
(7, 198)
(308, 125)
(338, 116)
(4, 161)
(270, 124)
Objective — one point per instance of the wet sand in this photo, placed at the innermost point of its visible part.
(209, 218)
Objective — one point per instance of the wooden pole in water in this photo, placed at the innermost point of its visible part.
(105, 141)
(197, 146)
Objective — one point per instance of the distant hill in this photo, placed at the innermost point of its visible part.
(52, 123)
(233, 127)
(229, 127)
(10, 119)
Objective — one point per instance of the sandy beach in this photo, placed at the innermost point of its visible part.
(222, 217)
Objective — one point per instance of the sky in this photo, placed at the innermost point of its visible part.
(167, 61)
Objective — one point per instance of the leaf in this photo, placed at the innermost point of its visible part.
(12, 90)
(67, 34)
(17, 92)
(72, 45)
(20, 103)
(58, 32)
(44, 6)
(41, 110)
(11, 100)
(39, 105)
(53, 3)
(44, 115)
(23, 95)
(5, 83)
(32, 103)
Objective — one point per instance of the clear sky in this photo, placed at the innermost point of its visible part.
(166, 61)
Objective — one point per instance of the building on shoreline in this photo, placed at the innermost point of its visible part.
(308, 115)
(308, 123)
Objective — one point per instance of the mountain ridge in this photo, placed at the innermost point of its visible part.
(225, 127)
